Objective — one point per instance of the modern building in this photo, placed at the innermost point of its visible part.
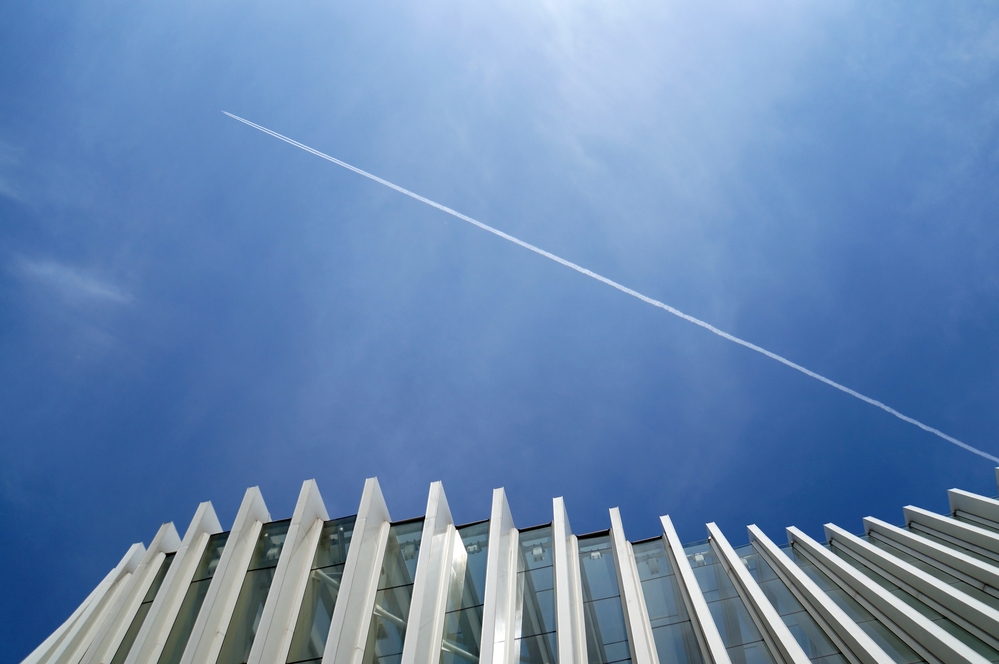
(365, 589)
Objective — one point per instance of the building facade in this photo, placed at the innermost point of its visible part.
(368, 590)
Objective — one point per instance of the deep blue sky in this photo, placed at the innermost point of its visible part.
(189, 307)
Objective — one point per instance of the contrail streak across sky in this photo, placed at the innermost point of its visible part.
(624, 289)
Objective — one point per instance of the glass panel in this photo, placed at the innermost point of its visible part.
(541, 649)
(677, 644)
(462, 631)
(253, 594)
(884, 637)
(467, 583)
(268, 549)
(316, 613)
(140, 615)
(387, 631)
(606, 634)
(536, 598)
(210, 558)
(802, 626)
(738, 631)
(133, 631)
(173, 649)
(671, 626)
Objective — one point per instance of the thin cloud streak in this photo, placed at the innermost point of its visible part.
(73, 283)
(625, 289)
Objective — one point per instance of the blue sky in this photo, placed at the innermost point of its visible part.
(189, 307)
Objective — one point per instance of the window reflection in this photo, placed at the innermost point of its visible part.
(314, 618)
(884, 637)
(817, 646)
(739, 633)
(140, 616)
(387, 631)
(466, 589)
(672, 629)
(535, 636)
(606, 634)
(173, 650)
(253, 594)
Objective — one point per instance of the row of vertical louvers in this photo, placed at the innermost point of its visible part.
(365, 589)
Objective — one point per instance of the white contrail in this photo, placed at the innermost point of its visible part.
(624, 289)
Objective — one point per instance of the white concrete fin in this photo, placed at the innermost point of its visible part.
(973, 507)
(111, 633)
(499, 611)
(84, 630)
(970, 613)
(569, 620)
(156, 628)
(291, 576)
(778, 637)
(356, 600)
(967, 568)
(852, 641)
(712, 646)
(433, 566)
(209, 630)
(636, 614)
(974, 538)
(928, 639)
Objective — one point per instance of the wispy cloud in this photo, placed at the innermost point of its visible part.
(72, 283)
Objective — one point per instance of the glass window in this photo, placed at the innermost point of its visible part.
(817, 646)
(173, 649)
(387, 631)
(466, 589)
(606, 634)
(314, 617)
(739, 633)
(535, 635)
(253, 593)
(672, 630)
(140, 616)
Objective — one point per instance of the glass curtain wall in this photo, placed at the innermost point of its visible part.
(606, 633)
(461, 643)
(387, 631)
(945, 623)
(535, 636)
(884, 637)
(140, 615)
(173, 649)
(819, 648)
(672, 629)
(314, 617)
(739, 633)
(253, 593)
